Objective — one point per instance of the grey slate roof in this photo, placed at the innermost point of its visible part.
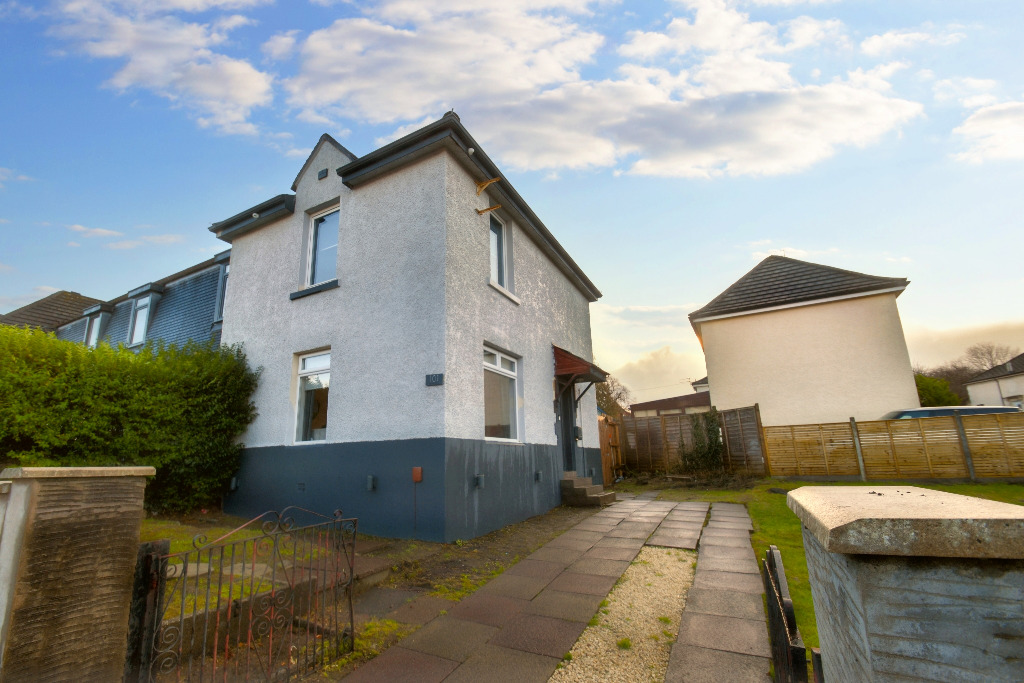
(780, 281)
(1014, 366)
(50, 312)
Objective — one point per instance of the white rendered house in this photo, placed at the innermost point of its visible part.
(1002, 385)
(808, 343)
(404, 307)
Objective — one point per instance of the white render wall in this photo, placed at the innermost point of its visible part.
(551, 311)
(995, 392)
(808, 364)
(384, 324)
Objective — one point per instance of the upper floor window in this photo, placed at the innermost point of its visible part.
(93, 335)
(314, 382)
(323, 255)
(501, 415)
(140, 320)
(222, 288)
(499, 266)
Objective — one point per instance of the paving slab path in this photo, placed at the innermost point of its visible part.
(518, 626)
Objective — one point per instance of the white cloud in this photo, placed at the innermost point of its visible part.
(124, 244)
(9, 303)
(171, 57)
(94, 232)
(892, 41)
(298, 152)
(995, 132)
(4, 220)
(969, 92)
(280, 46)
(662, 373)
(4, 268)
(8, 175)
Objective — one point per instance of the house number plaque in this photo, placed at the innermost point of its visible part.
(435, 380)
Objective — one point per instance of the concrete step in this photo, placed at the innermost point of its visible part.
(582, 491)
(369, 571)
(575, 482)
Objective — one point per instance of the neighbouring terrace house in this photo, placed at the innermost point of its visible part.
(1002, 385)
(809, 343)
(424, 342)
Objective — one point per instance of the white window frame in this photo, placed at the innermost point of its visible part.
(138, 305)
(311, 247)
(222, 288)
(299, 374)
(514, 374)
(93, 330)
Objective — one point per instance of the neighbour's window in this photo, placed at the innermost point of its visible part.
(500, 414)
(498, 260)
(222, 288)
(314, 381)
(323, 259)
(93, 337)
(140, 319)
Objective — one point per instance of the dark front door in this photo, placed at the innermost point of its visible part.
(567, 416)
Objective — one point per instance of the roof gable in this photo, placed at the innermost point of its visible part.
(782, 281)
(324, 139)
(51, 311)
(1014, 366)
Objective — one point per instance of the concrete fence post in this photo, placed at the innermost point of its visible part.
(856, 447)
(911, 584)
(964, 446)
(68, 547)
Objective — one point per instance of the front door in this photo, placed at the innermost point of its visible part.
(567, 416)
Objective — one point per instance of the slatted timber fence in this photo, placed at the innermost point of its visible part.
(651, 444)
(958, 447)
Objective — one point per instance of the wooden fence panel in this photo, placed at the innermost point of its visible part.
(741, 435)
(779, 443)
(651, 444)
(876, 445)
(997, 444)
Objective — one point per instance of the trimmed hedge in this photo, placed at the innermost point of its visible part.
(179, 410)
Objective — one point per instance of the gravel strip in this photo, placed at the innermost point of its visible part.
(644, 607)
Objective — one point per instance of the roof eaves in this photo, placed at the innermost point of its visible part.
(325, 138)
(1014, 366)
(254, 218)
(448, 132)
(852, 293)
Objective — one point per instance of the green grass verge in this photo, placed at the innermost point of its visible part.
(775, 524)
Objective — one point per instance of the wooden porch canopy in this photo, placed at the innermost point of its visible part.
(570, 369)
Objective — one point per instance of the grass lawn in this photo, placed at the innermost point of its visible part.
(775, 524)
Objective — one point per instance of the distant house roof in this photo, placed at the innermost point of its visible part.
(1014, 366)
(781, 281)
(701, 398)
(699, 382)
(51, 311)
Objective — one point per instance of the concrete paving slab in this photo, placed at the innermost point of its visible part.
(512, 586)
(722, 564)
(449, 638)
(501, 665)
(540, 635)
(613, 542)
(563, 542)
(592, 536)
(737, 581)
(604, 553)
(377, 601)
(593, 584)
(729, 507)
(689, 526)
(399, 665)
(734, 533)
(725, 603)
(692, 505)
(562, 556)
(488, 608)
(593, 565)
(536, 568)
(618, 532)
(731, 523)
(680, 542)
(720, 539)
(744, 636)
(562, 605)
(600, 527)
(421, 610)
(725, 551)
(692, 664)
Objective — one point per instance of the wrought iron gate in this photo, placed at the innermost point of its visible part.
(268, 601)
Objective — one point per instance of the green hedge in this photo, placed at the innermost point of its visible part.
(179, 410)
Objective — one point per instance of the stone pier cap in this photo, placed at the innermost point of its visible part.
(75, 472)
(909, 521)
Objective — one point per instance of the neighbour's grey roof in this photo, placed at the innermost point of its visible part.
(1014, 366)
(50, 312)
(781, 281)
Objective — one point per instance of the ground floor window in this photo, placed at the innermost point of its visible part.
(314, 382)
(500, 412)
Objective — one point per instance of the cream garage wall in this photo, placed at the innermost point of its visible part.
(818, 363)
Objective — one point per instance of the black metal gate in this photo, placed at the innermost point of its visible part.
(268, 601)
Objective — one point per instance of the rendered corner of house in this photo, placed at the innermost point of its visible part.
(808, 343)
(404, 306)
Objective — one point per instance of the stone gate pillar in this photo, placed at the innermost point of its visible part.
(69, 537)
(914, 584)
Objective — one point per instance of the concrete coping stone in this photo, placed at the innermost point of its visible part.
(75, 472)
(909, 521)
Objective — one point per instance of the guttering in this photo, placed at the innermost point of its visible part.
(449, 133)
(256, 217)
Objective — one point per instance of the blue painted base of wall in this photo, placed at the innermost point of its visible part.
(519, 481)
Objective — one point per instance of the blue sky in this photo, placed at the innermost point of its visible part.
(668, 145)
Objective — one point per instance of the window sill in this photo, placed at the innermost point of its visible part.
(330, 284)
(510, 442)
(511, 297)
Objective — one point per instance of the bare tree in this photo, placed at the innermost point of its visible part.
(613, 397)
(985, 355)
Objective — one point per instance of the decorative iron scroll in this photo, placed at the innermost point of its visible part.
(271, 600)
